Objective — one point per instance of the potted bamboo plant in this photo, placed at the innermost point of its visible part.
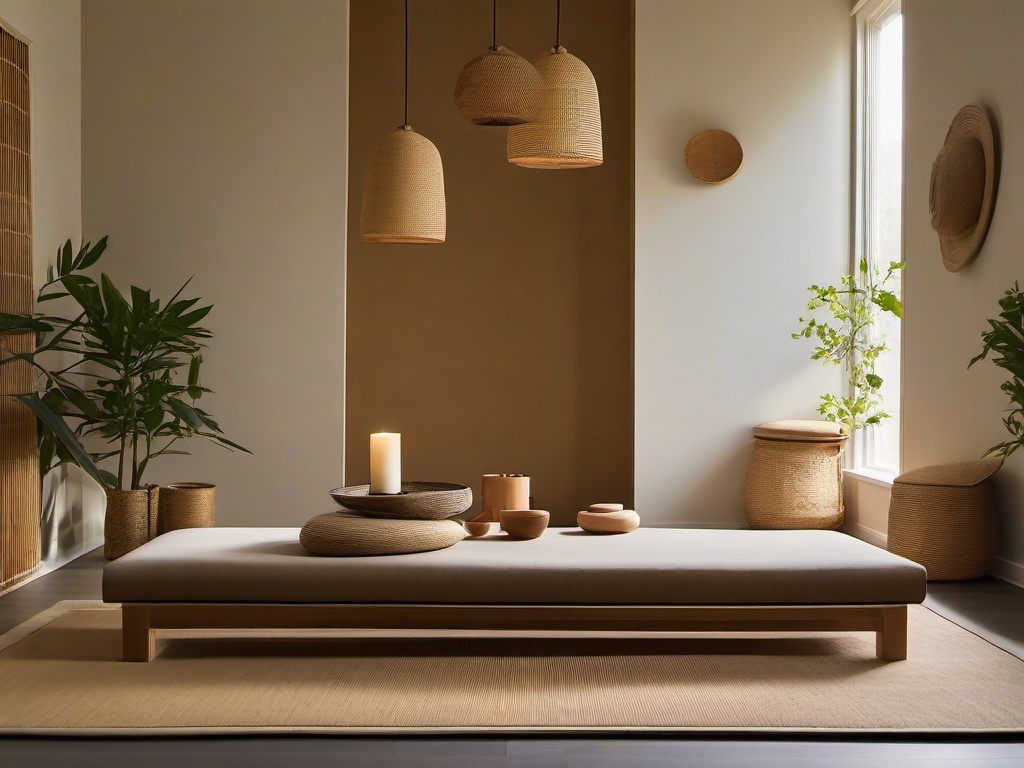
(848, 338)
(130, 381)
(1004, 340)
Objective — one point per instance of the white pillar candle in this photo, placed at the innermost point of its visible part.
(386, 462)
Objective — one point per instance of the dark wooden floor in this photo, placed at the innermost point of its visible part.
(989, 607)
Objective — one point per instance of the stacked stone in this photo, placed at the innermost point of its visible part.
(608, 518)
(388, 526)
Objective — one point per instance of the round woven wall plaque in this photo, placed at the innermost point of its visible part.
(713, 156)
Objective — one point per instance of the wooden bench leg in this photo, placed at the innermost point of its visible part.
(891, 637)
(138, 639)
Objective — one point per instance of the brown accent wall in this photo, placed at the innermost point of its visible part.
(19, 474)
(509, 347)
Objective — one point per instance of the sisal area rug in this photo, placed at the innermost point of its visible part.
(61, 672)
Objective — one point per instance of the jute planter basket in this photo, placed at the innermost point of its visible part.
(130, 520)
(943, 517)
(567, 130)
(187, 505)
(498, 87)
(794, 479)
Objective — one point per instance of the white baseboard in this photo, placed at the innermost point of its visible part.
(49, 566)
(687, 524)
(1007, 570)
(870, 535)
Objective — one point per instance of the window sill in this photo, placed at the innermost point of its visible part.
(880, 477)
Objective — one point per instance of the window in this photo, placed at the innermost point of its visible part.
(879, 202)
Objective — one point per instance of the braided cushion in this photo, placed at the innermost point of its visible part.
(954, 474)
(336, 533)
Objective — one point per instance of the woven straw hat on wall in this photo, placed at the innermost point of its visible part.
(567, 131)
(403, 196)
(963, 187)
(498, 87)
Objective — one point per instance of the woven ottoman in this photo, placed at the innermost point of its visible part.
(943, 517)
(794, 479)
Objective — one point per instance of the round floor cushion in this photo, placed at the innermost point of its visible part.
(338, 534)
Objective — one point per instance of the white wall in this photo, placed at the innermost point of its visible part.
(959, 53)
(214, 144)
(722, 271)
(54, 31)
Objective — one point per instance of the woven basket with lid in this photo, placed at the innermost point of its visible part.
(794, 478)
(943, 517)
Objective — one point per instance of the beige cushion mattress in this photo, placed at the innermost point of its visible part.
(667, 566)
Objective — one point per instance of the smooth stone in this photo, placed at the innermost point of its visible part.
(619, 521)
(606, 507)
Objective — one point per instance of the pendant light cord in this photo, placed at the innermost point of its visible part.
(406, 121)
(494, 25)
(558, 23)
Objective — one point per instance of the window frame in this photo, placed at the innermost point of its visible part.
(871, 16)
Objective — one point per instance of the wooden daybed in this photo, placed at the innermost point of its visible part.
(654, 579)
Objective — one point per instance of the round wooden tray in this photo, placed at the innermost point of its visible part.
(417, 501)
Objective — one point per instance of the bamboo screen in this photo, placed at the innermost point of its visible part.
(19, 472)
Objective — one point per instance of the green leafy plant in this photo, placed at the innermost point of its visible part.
(842, 324)
(1005, 341)
(123, 382)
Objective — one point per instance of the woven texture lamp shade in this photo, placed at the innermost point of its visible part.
(567, 131)
(403, 197)
(498, 87)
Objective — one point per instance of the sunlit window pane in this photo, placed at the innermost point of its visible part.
(882, 164)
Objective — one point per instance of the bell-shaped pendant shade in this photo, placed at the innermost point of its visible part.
(567, 131)
(498, 87)
(403, 197)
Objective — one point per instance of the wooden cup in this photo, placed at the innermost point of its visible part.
(498, 492)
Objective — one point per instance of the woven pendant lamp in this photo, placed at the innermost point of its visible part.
(498, 87)
(567, 131)
(403, 193)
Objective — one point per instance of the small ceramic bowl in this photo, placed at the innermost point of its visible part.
(524, 523)
(478, 527)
